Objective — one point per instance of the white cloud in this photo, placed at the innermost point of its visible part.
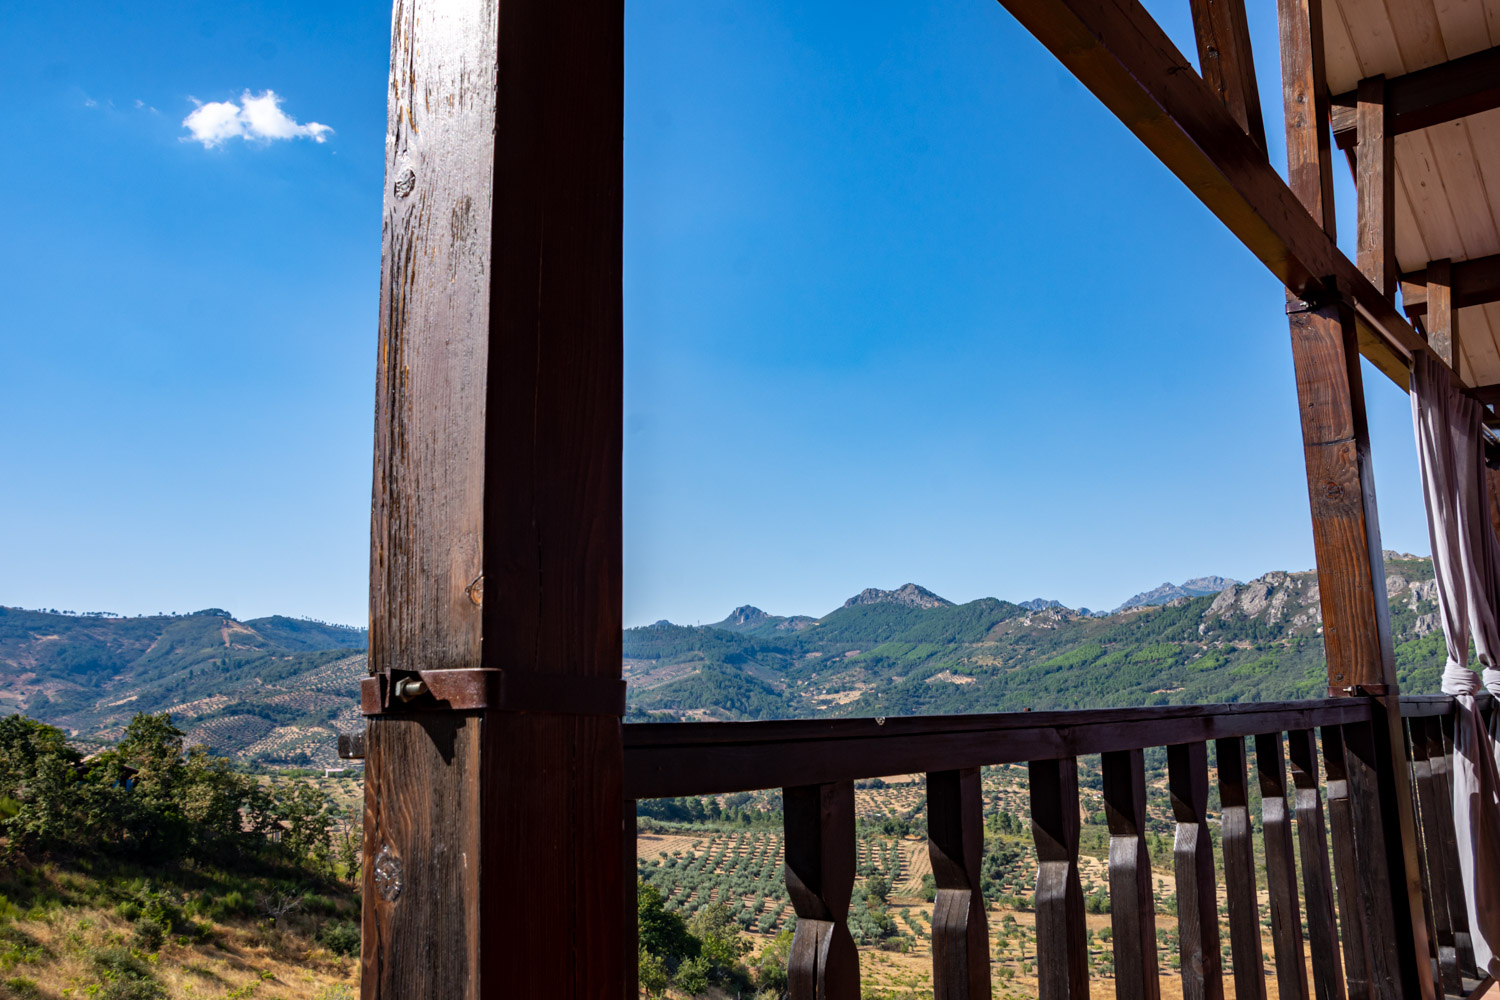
(254, 119)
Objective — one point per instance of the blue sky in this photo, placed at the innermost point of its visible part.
(902, 302)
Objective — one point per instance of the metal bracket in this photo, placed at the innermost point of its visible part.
(400, 692)
(1360, 691)
(1317, 298)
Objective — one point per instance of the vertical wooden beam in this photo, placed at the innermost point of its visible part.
(497, 467)
(1226, 63)
(1375, 180)
(1317, 884)
(1193, 861)
(1304, 92)
(1440, 755)
(1441, 321)
(631, 946)
(1432, 858)
(1132, 906)
(1281, 870)
(1062, 951)
(1353, 939)
(955, 844)
(823, 964)
(1239, 872)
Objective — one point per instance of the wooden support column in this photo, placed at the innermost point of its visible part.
(1062, 950)
(1304, 92)
(1193, 861)
(497, 472)
(1317, 884)
(1375, 180)
(955, 845)
(1440, 757)
(1441, 321)
(1132, 905)
(1281, 870)
(1239, 872)
(1226, 64)
(1353, 939)
(1432, 822)
(824, 964)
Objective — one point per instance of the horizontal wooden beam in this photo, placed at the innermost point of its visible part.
(1475, 282)
(1426, 97)
(1120, 54)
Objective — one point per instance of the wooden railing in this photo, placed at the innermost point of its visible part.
(1361, 940)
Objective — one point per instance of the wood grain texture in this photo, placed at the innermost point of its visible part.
(1281, 870)
(1132, 906)
(1239, 872)
(1341, 820)
(1341, 491)
(1433, 871)
(1375, 181)
(955, 845)
(1468, 85)
(1441, 318)
(1193, 864)
(819, 859)
(1226, 63)
(1317, 881)
(1440, 758)
(1062, 951)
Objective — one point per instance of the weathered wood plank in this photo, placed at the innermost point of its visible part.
(1440, 757)
(1193, 862)
(1435, 875)
(1239, 872)
(1062, 951)
(1442, 319)
(1317, 882)
(1471, 283)
(1226, 63)
(1281, 871)
(1353, 939)
(1375, 180)
(632, 930)
(955, 845)
(819, 858)
(1304, 93)
(1132, 906)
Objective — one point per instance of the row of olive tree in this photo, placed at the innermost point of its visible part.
(150, 798)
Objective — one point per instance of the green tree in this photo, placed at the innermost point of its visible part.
(661, 933)
(652, 975)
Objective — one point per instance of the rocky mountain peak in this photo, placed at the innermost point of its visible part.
(746, 615)
(1199, 586)
(1039, 604)
(909, 594)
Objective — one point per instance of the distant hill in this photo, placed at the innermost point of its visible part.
(1188, 589)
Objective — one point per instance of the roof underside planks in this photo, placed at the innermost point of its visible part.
(1448, 175)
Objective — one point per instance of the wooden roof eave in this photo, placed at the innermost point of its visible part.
(1122, 55)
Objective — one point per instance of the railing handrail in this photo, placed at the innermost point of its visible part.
(709, 758)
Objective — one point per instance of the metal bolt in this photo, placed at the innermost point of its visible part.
(409, 687)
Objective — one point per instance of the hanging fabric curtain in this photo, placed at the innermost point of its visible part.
(1466, 560)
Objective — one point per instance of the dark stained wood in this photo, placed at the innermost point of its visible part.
(1375, 179)
(1281, 871)
(632, 935)
(1062, 951)
(1127, 61)
(1225, 61)
(1304, 94)
(497, 467)
(1472, 283)
(665, 759)
(1317, 883)
(1193, 862)
(1448, 91)
(1132, 906)
(1394, 922)
(819, 856)
(1341, 490)
(1442, 320)
(1353, 939)
(1432, 857)
(955, 844)
(1239, 872)
(1440, 757)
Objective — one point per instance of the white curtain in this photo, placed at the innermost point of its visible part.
(1466, 559)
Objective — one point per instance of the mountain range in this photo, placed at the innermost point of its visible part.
(277, 690)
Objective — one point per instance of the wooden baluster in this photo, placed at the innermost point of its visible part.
(1062, 952)
(632, 903)
(1346, 867)
(820, 881)
(1239, 872)
(1434, 881)
(1281, 871)
(1317, 883)
(955, 843)
(1440, 758)
(1132, 906)
(1193, 857)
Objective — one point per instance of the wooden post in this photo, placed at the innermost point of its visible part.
(1132, 906)
(1312, 839)
(1375, 168)
(1239, 872)
(955, 844)
(823, 964)
(1062, 951)
(1441, 321)
(1193, 860)
(1353, 939)
(497, 471)
(1281, 870)
(1227, 65)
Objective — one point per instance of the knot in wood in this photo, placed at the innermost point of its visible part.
(405, 183)
(388, 874)
(1332, 491)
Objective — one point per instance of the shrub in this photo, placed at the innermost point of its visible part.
(341, 938)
